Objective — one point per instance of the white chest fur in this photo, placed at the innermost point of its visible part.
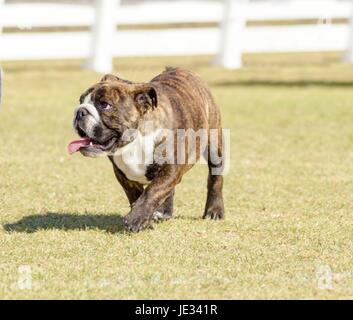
(134, 158)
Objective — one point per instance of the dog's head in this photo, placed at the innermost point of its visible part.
(107, 110)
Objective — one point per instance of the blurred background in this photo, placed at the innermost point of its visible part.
(99, 30)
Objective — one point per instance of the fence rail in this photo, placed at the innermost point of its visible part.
(181, 41)
(28, 15)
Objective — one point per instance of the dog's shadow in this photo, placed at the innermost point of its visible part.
(67, 221)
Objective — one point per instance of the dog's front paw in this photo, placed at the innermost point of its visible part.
(161, 216)
(136, 223)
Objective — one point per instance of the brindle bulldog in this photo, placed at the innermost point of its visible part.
(176, 99)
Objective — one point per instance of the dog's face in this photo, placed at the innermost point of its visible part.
(106, 111)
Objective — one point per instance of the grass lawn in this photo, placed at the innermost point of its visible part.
(288, 193)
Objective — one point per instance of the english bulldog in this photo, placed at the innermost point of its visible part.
(150, 160)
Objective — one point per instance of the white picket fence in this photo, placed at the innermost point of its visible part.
(229, 41)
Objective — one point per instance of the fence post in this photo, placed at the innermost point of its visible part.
(232, 27)
(348, 55)
(102, 35)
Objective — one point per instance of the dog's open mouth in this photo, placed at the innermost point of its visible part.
(90, 145)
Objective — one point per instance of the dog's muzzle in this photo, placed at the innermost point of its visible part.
(87, 123)
(81, 113)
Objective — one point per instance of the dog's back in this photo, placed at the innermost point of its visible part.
(188, 91)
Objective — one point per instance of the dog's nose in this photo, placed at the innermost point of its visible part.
(81, 113)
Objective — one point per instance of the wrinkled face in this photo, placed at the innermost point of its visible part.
(106, 111)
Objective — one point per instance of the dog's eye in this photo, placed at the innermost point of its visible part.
(105, 105)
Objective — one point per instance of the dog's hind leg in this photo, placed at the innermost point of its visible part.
(214, 208)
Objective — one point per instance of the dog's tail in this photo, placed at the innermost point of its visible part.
(169, 68)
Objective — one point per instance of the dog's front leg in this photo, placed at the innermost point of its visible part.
(133, 190)
(152, 197)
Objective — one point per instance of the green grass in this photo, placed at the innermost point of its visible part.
(288, 194)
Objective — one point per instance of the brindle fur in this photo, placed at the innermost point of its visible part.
(175, 99)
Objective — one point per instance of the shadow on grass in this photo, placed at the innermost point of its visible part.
(65, 221)
(278, 83)
(189, 218)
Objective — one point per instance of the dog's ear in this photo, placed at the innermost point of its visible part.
(109, 77)
(145, 98)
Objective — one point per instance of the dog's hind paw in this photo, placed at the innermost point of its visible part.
(214, 213)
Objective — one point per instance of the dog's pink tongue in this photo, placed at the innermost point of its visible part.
(74, 146)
